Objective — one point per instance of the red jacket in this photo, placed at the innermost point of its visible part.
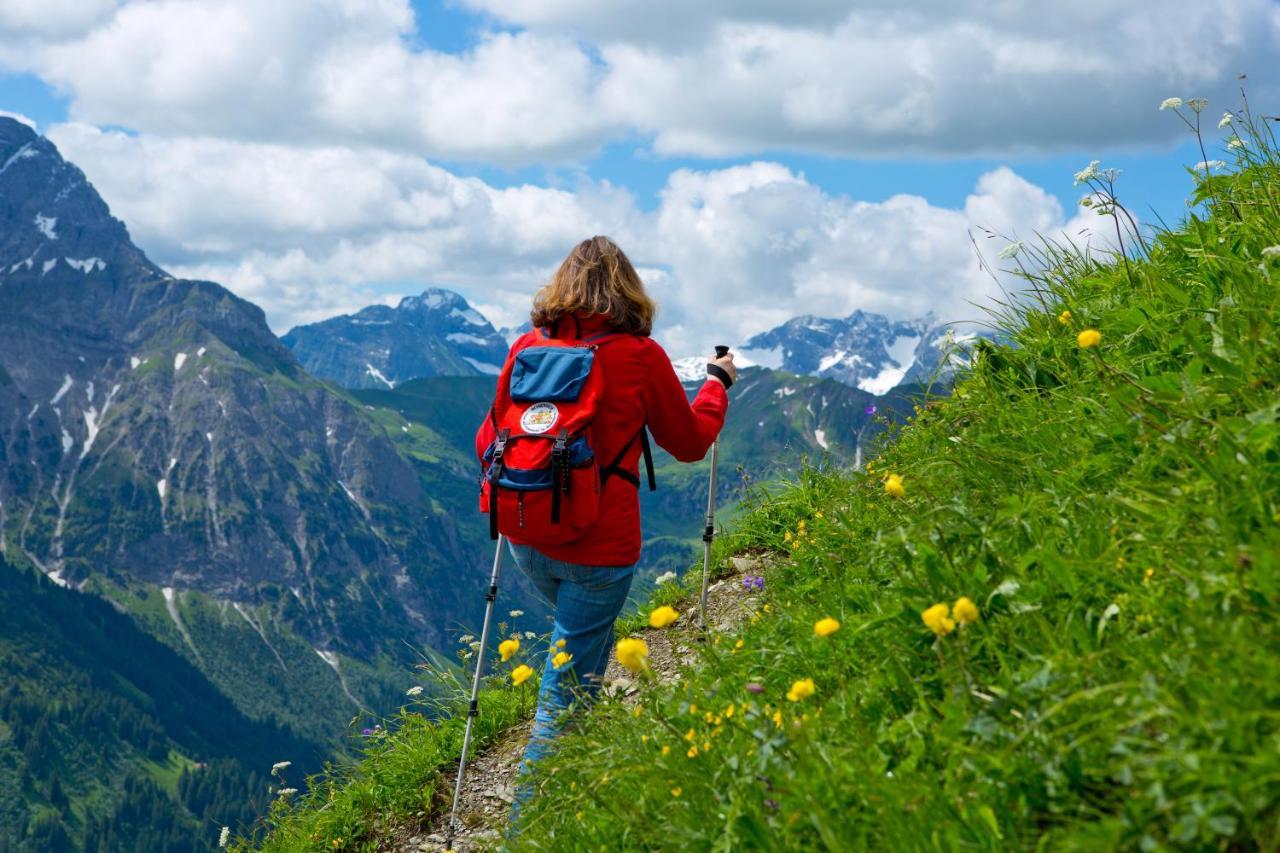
(641, 387)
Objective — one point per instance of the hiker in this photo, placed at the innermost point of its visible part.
(597, 299)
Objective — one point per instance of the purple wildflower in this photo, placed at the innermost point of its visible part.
(871, 410)
(367, 732)
(746, 582)
(753, 687)
(758, 582)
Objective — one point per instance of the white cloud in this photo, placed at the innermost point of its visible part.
(724, 77)
(308, 233)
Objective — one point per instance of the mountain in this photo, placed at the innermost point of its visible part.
(435, 334)
(92, 703)
(161, 449)
(864, 350)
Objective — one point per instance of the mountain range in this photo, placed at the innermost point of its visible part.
(283, 524)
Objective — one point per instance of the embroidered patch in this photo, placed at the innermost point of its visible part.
(539, 418)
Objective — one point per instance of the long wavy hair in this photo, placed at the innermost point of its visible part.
(596, 278)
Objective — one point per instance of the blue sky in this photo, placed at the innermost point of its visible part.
(315, 156)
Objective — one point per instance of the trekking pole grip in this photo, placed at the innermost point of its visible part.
(721, 350)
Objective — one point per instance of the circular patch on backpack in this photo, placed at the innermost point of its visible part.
(539, 418)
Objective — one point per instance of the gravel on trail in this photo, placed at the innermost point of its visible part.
(490, 783)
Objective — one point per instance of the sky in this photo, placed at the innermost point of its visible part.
(757, 160)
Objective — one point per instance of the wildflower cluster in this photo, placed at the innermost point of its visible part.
(942, 619)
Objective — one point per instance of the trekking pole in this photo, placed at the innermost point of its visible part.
(473, 709)
(709, 532)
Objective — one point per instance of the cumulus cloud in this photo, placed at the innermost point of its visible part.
(308, 233)
(550, 80)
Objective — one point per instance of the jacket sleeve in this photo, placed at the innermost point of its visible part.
(683, 429)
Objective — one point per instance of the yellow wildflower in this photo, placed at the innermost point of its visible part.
(693, 752)
(1064, 318)
(706, 746)
(689, 735)
(826, 627)
(560, 643)
(786, 537)
(508, 648)
(728, 712)
(521, 674)
(693, 707)
(662, 616)
(1148, 575)
(632, 653)
(644, 738)
(666, 749)
(965, 611)
(938, 619)
(710, 716)
(1088, 338)
(777, 719)
(801, 689)
(561, 659)
(739, 644)
(675, 792)
(893, 486)
(637, 712)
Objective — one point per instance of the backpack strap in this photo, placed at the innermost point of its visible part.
(615, 467)
(495, 473)
(559, 473)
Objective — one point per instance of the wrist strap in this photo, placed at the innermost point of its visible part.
(720, 373)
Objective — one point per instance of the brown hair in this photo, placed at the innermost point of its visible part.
(596, 278)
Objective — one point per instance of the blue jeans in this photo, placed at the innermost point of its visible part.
(587, 601)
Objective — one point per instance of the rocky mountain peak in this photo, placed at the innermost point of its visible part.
(436, 333)
(51, 218)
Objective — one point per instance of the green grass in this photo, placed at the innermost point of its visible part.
(398, 780)
(1114, 513)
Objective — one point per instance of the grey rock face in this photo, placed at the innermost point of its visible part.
(434, 334)
(154, 429)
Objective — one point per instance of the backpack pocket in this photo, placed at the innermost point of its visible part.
(541, 497)
(550, 374)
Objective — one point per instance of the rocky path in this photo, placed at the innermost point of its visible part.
(490, 784)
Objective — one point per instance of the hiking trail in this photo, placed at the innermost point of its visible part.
(490, 784)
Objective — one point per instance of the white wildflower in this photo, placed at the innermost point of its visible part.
(415, 690)
(1236, 142)
(224, 836)
(1205, 165)
(1198, 104)
(529, 635)
(665, 577)
(1086, 201)
(1010, 251)
(466, 638)
(1088, 173)
(1271, 252)
(280, 765)
(474, 646)
(286, 792)
(516, 614)
(1224, 121)
(1170, 103)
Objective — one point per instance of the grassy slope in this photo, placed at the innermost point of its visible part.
(1113, 513)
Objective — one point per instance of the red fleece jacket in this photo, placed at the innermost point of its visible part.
(641, 387)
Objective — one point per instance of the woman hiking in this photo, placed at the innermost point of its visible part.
(561, 450)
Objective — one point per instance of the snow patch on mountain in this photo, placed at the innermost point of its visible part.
(47, 226)
(377, 374)
(483, 367)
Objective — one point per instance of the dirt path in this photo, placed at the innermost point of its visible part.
(490, 784)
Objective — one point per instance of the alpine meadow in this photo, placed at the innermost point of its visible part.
(565, 426)
(1041, 616)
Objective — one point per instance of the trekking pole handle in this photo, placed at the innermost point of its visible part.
(721, 350)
